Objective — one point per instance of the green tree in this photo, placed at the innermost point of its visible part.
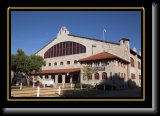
(87, 71)
(25, 64)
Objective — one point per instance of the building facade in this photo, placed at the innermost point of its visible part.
(67, 54)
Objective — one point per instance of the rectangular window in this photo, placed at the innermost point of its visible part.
(49, 64)
(68, 62)
(55, 51)
(133, 76)
(139, 65)
(80, 49)
(132, 62)
(58, 49)
(77, 48)
(70, 50)
(139, 76)
(110, 74)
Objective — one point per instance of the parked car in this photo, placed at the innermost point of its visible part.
(48, 83)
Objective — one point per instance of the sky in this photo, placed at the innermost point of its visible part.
(32, 30)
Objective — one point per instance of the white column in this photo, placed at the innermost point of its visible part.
(21, 85)
(49, 77)
(70, 79)
(38, 89)
(63, 80)
(59, 92)
(56, 80)
(43, 80)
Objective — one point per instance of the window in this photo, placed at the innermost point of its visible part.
(49, 64)
(132, 76)
(68, 62)
(139, 65)
(75, 61)
(104, 64)
(61, 63)
(124, 76)
(97, 64)
(132, 61)
(55, 63)
(104, 75)
(119, 74)
(96, 76)
(90, 76)
(139, 76)
(90, 65)
(110, 74)
(65, 48)
(119, 64)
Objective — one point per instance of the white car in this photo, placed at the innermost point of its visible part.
(48, 82)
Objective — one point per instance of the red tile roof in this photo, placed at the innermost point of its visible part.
(57, 71)
(101, 56)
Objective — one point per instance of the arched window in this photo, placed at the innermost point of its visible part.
(75, 61)
(61, 63)
(65, 48)
(132, 61)
(104, 75)
(55, 63)
(90, 76)
(96, 76)
(133, 76)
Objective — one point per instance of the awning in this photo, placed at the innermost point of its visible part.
(56, 71)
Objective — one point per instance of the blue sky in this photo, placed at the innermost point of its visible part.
(32, 30)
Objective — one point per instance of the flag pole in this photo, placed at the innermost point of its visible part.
(104, 30)
(103, 33)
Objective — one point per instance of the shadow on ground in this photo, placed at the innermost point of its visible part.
(114, 86)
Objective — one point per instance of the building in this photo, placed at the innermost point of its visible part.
(66, 55)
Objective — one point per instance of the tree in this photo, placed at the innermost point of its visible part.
(87, 71)
(21, 63)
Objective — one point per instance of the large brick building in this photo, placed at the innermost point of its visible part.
(66, 55)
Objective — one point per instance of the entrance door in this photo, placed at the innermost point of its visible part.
(59, 78)
(75, 78)
(67, 79)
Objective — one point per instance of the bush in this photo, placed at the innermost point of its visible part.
(78, 85)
